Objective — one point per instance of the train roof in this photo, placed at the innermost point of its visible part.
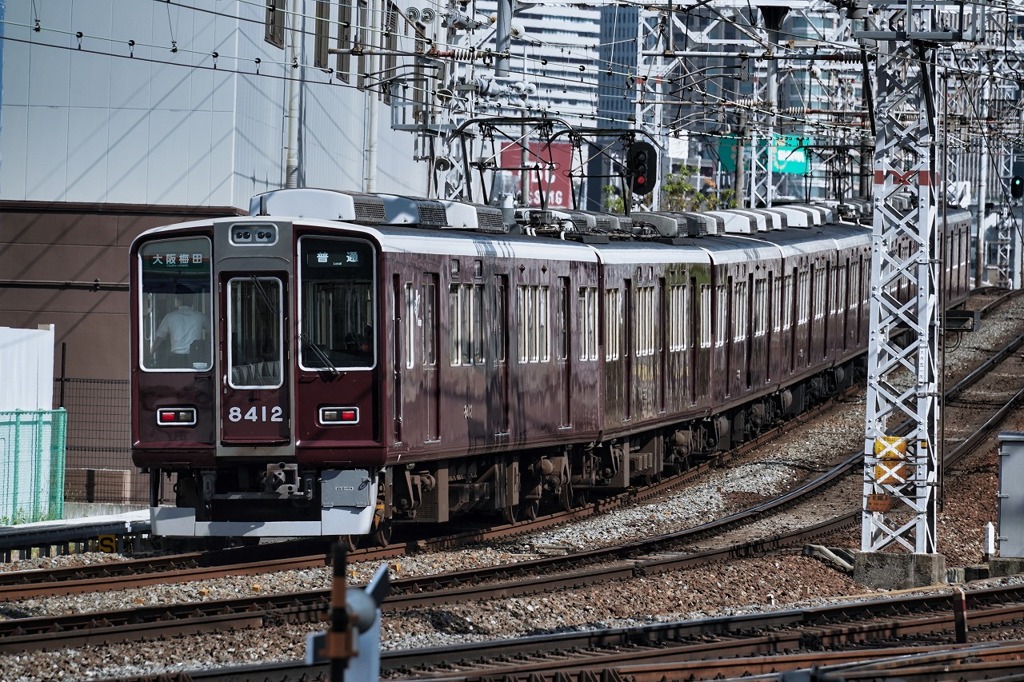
(411, 240)
(391, 209)
(631, 253)
(402, 224)
(800, 216)
(719, 249)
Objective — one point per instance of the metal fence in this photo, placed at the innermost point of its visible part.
(99, 454)
(32, 465)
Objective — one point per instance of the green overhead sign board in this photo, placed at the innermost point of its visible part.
(727, 153)
(792, 154)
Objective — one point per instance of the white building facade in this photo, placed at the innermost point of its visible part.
(191, 102)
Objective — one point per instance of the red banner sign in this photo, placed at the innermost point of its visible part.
(554, 163)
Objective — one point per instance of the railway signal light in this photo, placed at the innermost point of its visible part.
(1017, 187)
(642, 167)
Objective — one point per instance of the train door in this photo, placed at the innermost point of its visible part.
(863, 277)
(827, 296)
(662, 346)
(255, 401)
(728, 323)
(628, 385)
(402, 338)
(562, 355)
(790, 289)
(811, 296)
(844, 302)
(770, 320)
(428, 357)
(700, 335)
(500, 393)
(747, 311)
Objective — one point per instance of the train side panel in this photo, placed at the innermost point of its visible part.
(495, 346)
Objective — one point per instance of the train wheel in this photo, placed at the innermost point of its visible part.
(381, 535)
(510, 514)
(348, 542)
(566, 497)
(527, 511)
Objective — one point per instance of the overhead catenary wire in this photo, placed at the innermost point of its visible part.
(263, 67)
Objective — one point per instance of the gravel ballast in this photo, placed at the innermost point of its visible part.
(784, 580)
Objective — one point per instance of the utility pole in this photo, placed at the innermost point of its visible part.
(373, 95)
(294, 87)
(741, 161)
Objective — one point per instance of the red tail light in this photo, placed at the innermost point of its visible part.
(176, 416)
(330, 416)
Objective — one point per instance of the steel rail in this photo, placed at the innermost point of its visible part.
(929, 662)
(527, 577)
(181, 567)
(192, 566)
(689, 645)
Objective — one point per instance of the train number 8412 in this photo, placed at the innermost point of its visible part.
(257, 414)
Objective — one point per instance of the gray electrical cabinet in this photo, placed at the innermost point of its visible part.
(1010, 537)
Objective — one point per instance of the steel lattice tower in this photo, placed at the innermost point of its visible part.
(901, 466)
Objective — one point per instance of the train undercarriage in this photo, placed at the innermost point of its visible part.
(506, 486)
(518, 486)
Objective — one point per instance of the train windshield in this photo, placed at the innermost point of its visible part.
(175, 305)
(338, 303)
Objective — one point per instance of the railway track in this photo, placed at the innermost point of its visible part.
(601, 565)
(119, 575)
(631, 560)
(704, 645)
(896, 663)
(718, 648)
(283, 556)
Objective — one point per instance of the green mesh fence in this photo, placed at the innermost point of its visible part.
(32, 454)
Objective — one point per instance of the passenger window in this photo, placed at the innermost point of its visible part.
(501, 317)
(613, 324)
(741, 312)
(722, 326)
(465, 310)
(534, 324)
(706, 332)
(644, 339)
(760, 307)
(563, 318)
(587, 313)
(429, 334)
(411, 320)
(803, 303)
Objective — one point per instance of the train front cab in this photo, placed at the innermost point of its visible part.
(268, 427)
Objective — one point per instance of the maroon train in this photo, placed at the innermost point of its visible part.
(381, 359)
